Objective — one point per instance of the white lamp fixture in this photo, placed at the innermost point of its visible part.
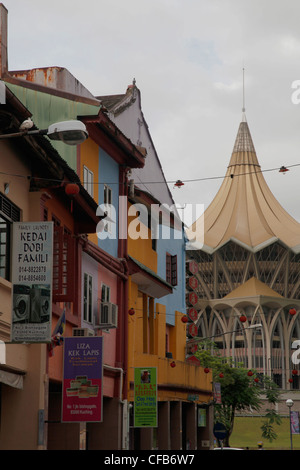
(70, 132)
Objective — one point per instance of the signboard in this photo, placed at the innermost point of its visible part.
(192, 283)
(145, 397)
(192, 298)
(82, 379)
(295, 422)
(32, 262)
(192, 330)
(220, 431)
(193, 314)
(217, 393)
(193, 267)
(201, 417)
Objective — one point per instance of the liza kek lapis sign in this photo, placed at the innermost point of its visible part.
(82, 381)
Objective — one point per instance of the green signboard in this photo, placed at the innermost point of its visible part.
(145, 397)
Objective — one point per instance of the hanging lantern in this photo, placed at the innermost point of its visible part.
(72, 189)
(243, 318)
(221, 375)
(291, 381)
(249, 373)
(131, 311)
(178, 184)
(283, 169)
(294, 372)
(256, 380)
(292, 311)
(184, 319)
(173, 364)
(206, 370)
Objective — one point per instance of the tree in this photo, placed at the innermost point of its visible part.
(239, 390)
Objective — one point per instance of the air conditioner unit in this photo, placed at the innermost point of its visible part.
(82, 332)
(107, 315)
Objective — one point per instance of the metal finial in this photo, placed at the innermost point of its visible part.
(243, 109)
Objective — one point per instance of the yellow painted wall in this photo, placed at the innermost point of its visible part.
(89, 157)
(140, 248)
(184, 375)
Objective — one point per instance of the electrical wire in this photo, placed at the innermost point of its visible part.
(209, 178)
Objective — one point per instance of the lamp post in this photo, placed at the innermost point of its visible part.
(70, 132)
(290, 403)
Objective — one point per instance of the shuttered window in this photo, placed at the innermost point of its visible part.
(63, 265)
(171, 269)
(9, 213)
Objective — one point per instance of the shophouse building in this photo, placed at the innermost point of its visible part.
(105, 274)
(156, 326)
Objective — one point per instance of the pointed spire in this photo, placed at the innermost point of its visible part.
(243, 108)
(243, 141)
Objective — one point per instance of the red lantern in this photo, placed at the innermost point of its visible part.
(184, 319)
(256, 380)
(294, 372)
(131, 311)
(292, 311)
(72, 189)
(178, 184)
(243, 318)
(283, 169)
(249, 373)
(206, 370)
(221, 375)
(291, 381)
(173, 364)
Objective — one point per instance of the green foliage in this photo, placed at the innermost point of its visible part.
(239, 391)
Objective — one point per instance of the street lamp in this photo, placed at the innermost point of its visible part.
(70, 132)
(290, 403)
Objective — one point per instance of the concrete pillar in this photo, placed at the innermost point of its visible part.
(163, 431)
(61, 436)
(146, 438)
(107, 434)
(176, 425)
(191, 426)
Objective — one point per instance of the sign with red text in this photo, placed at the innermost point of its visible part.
(145, 397)
(82, 379)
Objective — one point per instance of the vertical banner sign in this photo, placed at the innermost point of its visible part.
(82, 379)
(217, 393)
(32, 263)
(201, 417)
(145, 397)
(295, 422)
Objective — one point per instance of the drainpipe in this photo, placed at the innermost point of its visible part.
(3, 41)
(125, 409)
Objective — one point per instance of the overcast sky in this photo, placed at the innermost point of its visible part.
(187, 57)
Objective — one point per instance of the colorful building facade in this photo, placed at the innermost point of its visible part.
(156, 296)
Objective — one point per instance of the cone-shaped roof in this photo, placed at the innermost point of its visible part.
(251, 288)
(244, 209)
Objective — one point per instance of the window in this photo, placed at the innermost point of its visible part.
(88, 180)
(105, 293)
(9, 213)
(171, 269)
(88, 298)
(108, 203)
(64, 262)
